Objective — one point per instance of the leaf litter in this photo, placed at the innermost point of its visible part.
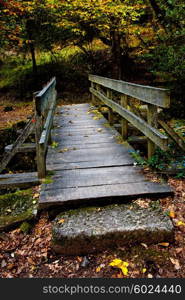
(29, 255)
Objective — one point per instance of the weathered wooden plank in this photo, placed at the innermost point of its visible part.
(72, 140)
(83, 131)
(77, 136)
(87, 155)
(85, 194)
(24, 148)
(45, 102)
(45, 98)
(77, 122)
(148, 94)
(21, 180)
(90, 164)
(83, 146)
(153, 134)
(96, 176)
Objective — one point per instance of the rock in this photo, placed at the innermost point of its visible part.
(93, 229)
(85, 262)
(17, 207)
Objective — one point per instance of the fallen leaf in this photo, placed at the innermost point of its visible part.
(178, 250)
(63, 150)
(175, 262)
(150, 276)
(10, 266)
(3, 263)
(180, 223)
(98, 269)
(36, 195)
(61, 221)
(30, 260)
(118, 263)
(164, 244)
(144, 270)
(120, 275)
(172, 214)
(79, 258)
(144, 245)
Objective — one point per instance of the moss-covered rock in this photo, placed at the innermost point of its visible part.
(89, 230)
(17, 207)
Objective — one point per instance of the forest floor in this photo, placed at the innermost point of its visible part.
(30, 254)
(15, 113)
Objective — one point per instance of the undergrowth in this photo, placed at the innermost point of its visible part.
(162, 162)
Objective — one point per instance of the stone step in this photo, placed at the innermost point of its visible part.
(94, 229)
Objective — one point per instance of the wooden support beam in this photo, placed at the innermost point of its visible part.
(24, 148)
(93, 97)
(110, 113)
(124, 122)
(174, 135)
(19, 180)
(20, 140)
(152, 121)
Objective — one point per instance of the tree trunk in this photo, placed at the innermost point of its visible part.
(29, 27)
(34, 64)
(116, 55)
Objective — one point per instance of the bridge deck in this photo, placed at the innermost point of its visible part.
(89, 162)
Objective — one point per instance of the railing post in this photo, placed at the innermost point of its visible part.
(124, 123)
(93, 97)
(41, 161)
(41, 164)
(110, 113)
(152, 120)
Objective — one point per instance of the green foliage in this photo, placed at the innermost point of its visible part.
(160, 159)
(25, 227)
(138, 158)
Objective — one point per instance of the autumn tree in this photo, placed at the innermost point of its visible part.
(28, 25)
(108, 20)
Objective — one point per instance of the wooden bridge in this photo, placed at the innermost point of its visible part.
(80, 153)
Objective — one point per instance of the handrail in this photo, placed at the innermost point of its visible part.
(45, 104)
(153, 98)
(148, 94)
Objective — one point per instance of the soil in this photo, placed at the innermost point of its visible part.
(17, 114)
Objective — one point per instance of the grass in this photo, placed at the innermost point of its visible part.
(70, 65)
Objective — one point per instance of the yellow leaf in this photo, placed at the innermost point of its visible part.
(180, 223)
(172, 214)
(144, 270)
(61, 221)
(98, 269)
(118, 263)
(164, 244)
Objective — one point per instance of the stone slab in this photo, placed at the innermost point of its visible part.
(89, 230)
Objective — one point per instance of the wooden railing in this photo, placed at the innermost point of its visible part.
(45, 104)
(104, 88)
(8, 155)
